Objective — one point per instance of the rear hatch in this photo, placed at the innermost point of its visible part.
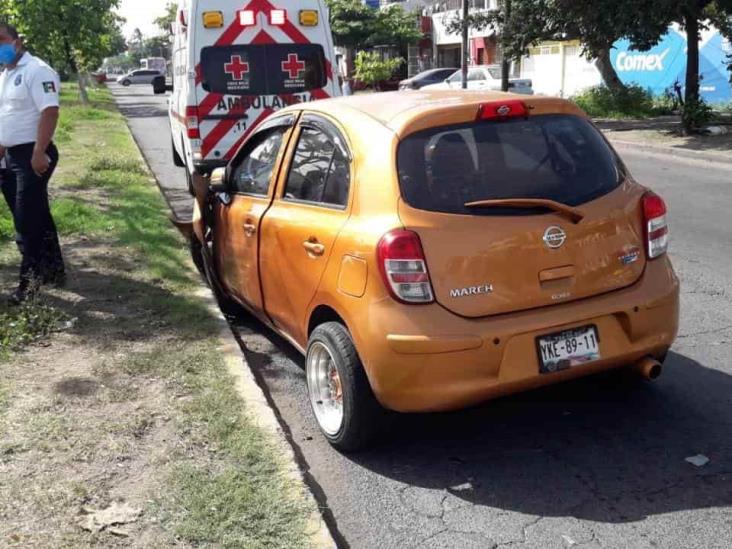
(486, 259)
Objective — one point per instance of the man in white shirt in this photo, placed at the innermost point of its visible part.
(29, 109)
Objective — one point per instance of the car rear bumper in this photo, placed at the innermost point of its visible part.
(429, 359)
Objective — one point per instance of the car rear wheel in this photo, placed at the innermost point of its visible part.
(340, 395)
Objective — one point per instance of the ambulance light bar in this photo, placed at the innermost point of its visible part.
(213, 19)
(246, 18)
(277, 17)
(308, 18)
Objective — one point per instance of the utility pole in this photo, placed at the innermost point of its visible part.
(464, 49)
(505, 62)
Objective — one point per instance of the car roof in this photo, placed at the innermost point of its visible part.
(406, 111)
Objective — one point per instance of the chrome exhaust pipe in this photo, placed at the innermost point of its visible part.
(649, 368)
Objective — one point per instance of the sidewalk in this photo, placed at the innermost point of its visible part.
(660, 135)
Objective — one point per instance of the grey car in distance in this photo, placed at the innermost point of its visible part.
(425, 78)
(139, 76)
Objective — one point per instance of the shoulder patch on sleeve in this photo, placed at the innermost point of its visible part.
(49, 87)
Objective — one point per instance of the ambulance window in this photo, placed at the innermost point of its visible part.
(254, 174)
(263, 69)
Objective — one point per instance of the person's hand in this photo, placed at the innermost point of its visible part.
(40, 163)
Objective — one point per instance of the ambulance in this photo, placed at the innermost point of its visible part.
(236, 62)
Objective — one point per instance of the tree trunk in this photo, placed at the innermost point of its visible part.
(71, 61)
(83, 95)
(607, 71)
(692, 58)
(505, 61)
(464, 47)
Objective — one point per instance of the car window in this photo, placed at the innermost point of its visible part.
(557, 157)
(455, 77)
(320, 170)
(475, 75)
(253, 174)
(494, 72)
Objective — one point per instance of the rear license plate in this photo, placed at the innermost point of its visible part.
(567, 349)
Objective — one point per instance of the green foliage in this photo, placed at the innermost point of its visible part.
(164, 22)
(602, 102)
(696, 114)
(71, 35)
(23, 325)
(355, 25)
(370, 68)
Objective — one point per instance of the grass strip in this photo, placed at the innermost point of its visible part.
(224, 484)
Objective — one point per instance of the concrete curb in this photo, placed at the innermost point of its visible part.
(259, 410)
(700, 156)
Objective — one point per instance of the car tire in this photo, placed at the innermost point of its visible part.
(126, 83)
(177, 160)
(331, 349)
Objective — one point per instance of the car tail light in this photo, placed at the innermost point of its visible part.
(403, 267)
(502, 110)
(192, 123)
(246, 18)
(277, 17)
(656, 225)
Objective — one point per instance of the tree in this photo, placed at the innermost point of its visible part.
(357, 26)
(165, 22)
(597, 24)
(70, 34)
(692, 15)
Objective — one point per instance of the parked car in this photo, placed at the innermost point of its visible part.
(425, 78)
(431, 251)
(484, 77)
(139, 76)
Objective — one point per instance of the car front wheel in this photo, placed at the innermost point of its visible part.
(126, 83)
(340, 395)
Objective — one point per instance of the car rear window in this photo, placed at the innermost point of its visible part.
(263, 69)
(556, 157)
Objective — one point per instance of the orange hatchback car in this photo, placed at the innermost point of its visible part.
(431, 250)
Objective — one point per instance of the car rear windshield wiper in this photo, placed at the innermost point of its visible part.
(569, 212)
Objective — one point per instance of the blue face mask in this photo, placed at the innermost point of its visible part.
(7, 54)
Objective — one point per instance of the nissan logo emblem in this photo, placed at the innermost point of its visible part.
(554, 237)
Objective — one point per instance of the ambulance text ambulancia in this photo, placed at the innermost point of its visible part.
(234, 63)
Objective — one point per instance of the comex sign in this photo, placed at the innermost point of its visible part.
(631, 61)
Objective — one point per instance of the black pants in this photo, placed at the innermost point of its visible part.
(27, 196)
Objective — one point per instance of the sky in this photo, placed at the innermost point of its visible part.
(140, 14)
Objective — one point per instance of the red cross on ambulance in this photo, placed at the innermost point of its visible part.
(236, 68)
(293, 66)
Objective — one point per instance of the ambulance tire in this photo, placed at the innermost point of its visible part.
(177, 160)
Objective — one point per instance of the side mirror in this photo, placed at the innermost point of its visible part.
(218, 183)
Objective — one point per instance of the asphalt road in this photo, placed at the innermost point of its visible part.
(594, 463)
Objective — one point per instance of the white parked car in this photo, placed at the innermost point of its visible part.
(139, 76)
(483, 77)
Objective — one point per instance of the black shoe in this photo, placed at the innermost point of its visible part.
(57, 278)
(27, 289)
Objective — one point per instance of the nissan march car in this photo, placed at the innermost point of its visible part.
(433, 250)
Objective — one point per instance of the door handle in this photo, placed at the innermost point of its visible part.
(250, 228)
(313, 247)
